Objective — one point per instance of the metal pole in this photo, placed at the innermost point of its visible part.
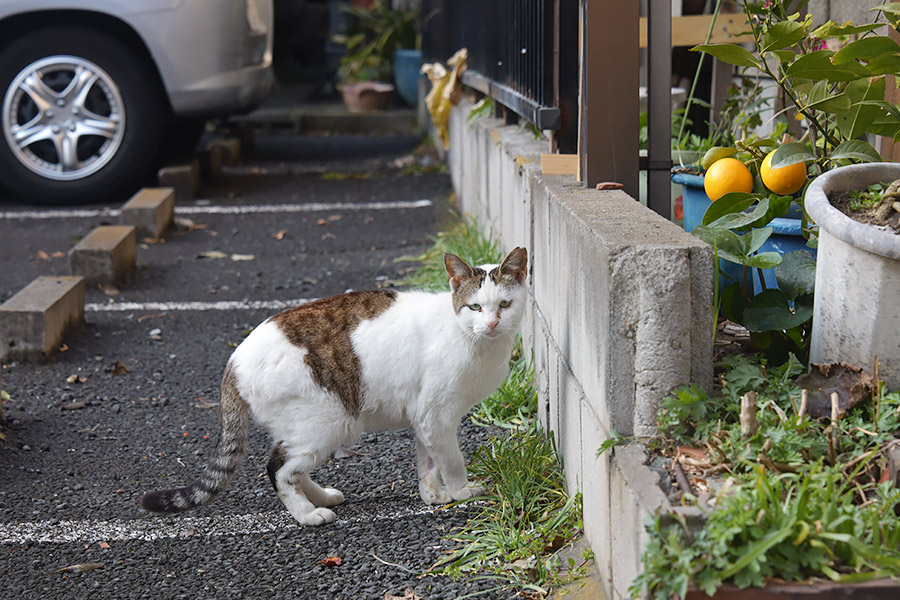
(659, 106)
(608, 108)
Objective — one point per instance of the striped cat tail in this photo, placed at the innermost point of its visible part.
(234, 419)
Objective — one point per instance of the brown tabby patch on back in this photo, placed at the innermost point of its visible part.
(468, 286)
(323, 328)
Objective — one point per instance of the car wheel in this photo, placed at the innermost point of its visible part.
(81, 117)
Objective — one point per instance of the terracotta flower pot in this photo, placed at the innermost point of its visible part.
(366, 96)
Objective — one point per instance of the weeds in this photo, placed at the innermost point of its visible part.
(805, 497)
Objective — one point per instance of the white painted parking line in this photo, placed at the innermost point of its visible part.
(226, 210)
(195, 306)
(152, 528)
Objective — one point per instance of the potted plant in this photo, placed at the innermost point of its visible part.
(857, 301)
(374, 35)
(833, 77)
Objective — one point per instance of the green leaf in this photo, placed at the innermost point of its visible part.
(734, 202)
(791, 154)
(856, 150)
(770, 310)
(817, 65)
(884, 64)
(865, 49)
(736, 220)
(727, 243)
(833, 30)
(758, 550)
(754, 239)
(733, 303)
(796, 275)
(855, 121)
(484, 108)
(729, 53)
(763, 260)
(821, 98)
(782, 34)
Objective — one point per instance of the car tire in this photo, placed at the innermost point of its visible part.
(81, 117)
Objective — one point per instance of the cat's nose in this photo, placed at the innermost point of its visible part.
(492, 324)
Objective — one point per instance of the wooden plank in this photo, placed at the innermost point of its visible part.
(691, 30)
(559, 164)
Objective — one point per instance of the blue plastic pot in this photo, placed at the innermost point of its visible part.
(787, 234)
(407, 72)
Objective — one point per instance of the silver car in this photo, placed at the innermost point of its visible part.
(92, 89)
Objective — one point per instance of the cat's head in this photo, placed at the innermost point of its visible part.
(489, 300)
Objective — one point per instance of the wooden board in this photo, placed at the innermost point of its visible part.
(559, 164)
(691, 30)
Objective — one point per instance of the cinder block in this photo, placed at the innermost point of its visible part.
(185, 179)
(106, 255)
(229, 150)
(35, 321)
(150, 211)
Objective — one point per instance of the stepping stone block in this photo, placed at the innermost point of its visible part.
(185, 179)
(210, 161)
(230, 149)
(106, 255)
(150, 211)
(36, 321)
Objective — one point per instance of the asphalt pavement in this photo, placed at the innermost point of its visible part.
(129, 405)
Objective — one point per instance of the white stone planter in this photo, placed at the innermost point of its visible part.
(857, 300)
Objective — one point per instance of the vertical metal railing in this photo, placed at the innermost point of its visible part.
(570, 66)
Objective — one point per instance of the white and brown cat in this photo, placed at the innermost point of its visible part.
(318, 375)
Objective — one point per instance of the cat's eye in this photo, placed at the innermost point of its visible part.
(505, 303)
(475, 307)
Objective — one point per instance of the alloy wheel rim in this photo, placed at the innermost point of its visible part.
(63, 117)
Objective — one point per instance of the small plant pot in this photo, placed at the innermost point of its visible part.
(366, 96)
(787, 234)
(857, 312)
(407, 73)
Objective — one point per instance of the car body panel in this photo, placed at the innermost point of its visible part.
(213, 56)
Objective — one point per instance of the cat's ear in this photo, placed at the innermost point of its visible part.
(516, 264)
(457, 269)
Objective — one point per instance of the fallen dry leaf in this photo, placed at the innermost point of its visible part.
(76, 378)
(64, 348)
(104, 545)
(80, 568)
(408, 594)
(851, 383)
(152, 241)
(74, 405)
(212, 254)
(278, 235)
(109, 289)
(331, 561)
(346, 453)
(119, 368)
(42, 255)
(59, 254)
(204, 405)
(322, 223)
(239, 257)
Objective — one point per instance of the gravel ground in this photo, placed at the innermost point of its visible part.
(140, 412)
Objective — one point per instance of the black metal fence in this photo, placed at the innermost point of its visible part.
(513, 51)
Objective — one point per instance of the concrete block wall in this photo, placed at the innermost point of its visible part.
(620, 314)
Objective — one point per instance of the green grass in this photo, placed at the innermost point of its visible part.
(806, 498)
(466, 240)
(526, 516)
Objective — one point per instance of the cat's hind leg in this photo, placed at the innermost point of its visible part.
(289, 473)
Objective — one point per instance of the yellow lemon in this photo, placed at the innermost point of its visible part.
(727, 175)
(784, 181)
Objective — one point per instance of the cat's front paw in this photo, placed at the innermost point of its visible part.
(469, 491)
(434, 495)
